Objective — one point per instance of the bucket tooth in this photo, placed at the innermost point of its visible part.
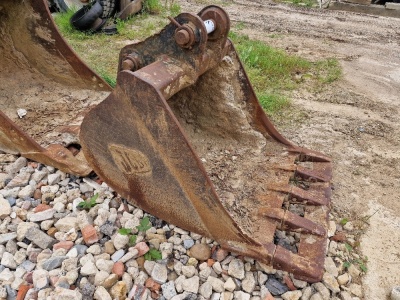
(309, 171)
(302, 267)
(184, 137)
(310, 155)
(316, 194)
(307, 263)
(319, 171)
(292, 222)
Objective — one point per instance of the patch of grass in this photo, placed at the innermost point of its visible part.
(348, 247)
(275, 65)
(273, 102)
(110, 79)
(306, 3)
(273, 73)
(270, 71)
(174, 8)
(275, 36)
(329, 70)
(152, 6)
(240, 26)
(303, 3)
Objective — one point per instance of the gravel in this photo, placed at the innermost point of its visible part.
(49, 249)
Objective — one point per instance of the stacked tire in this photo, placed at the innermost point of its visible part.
(88, 18)
(108, 8)
(93, 16)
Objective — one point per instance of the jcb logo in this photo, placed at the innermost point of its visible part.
(130, 161)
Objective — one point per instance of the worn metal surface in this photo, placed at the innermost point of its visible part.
(41, 73)
(153, 140)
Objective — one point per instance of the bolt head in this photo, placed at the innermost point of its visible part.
(182, 37)
(127, 64)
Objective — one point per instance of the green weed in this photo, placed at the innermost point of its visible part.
(153, 254)
(275, 36)
(125, 231)
(143, 226)
(88, 204)
(132, 237)
(348, 247)
(360, 262)
(173, 8)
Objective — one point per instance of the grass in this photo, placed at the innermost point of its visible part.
(306, 3)
(303, 3)
(273, 73)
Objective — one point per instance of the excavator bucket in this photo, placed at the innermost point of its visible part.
(184, 137)
(45, 89)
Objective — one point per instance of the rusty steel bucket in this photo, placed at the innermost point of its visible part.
(184, 137)
(45, 89)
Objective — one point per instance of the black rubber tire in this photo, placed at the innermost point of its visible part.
(65, 5)
(85, 17)
(108, 8)
(52, 6)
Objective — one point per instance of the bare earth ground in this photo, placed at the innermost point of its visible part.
(356, 120)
